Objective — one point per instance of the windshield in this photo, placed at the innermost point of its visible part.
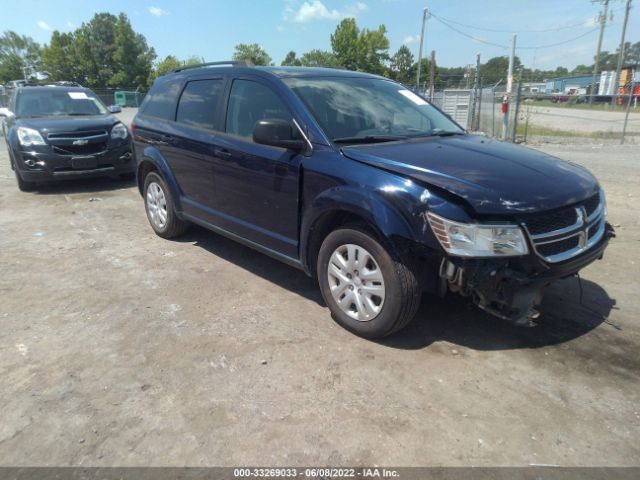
(49, 102)
(364, 109)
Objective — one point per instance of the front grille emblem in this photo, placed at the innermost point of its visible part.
(80, 142)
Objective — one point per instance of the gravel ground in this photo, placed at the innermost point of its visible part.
(121, 348)
(581, 120)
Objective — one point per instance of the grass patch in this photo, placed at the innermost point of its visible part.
(598, 107)
(538, 131)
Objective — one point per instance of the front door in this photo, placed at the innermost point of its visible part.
(256, 185)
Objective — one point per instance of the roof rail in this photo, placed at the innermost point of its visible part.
(233, 63)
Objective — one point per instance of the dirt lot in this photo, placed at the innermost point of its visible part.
(121, 348)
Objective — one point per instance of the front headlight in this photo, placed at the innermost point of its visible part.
(119, 131)
(29, 137)
(477, 240)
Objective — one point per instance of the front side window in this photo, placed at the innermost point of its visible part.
(360, 108)
(250, 102)
(35, 102)
(198, 102)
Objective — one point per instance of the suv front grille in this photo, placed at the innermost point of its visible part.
(88, 149)
(561, 235)
(88, 142)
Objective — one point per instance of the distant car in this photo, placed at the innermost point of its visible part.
(60, 132)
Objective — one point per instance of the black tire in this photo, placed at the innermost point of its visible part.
(402, 290)
(128, 177)
(23, 185)
(173, 226)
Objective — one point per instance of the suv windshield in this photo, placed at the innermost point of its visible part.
(362, 110)
(36, 102)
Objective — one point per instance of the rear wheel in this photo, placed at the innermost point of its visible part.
(368, 291)
(160, 208)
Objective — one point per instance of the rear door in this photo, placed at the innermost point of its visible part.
(256, 185)
(189, 152)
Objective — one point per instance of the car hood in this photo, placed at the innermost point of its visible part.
(62, 124)
(491, 176)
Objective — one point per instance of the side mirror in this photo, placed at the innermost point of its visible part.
(5, 112)
(277, 133)
(115, 108)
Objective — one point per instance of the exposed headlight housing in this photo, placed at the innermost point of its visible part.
(119, 131)
(478, 240)
(29, 137)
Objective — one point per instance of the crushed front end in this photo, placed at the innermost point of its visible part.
(527, 256)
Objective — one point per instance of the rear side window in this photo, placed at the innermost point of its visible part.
(198, 102)
(250, 102)
(160, 101)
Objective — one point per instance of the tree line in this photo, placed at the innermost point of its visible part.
(107, 53)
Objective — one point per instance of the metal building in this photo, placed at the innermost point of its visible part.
(567, 84)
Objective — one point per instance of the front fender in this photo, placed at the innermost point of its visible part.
(371, 206)
(153, 156)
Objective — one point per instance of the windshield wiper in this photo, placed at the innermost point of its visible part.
(445, 133)
(369, 139)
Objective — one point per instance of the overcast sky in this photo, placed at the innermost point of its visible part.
(210, 28)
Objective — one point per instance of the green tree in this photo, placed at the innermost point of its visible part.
(252, 52)
(496, 69)
(16, 53)
(582, 69)
(291, 60)
(632, 53)
(108, 53)
(171, 62)
(58, 58)
(360, 49)
(164, 66)
(401, 64)
(319, 58)
(132, 58)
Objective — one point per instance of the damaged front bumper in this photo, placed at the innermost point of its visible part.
(512, 288)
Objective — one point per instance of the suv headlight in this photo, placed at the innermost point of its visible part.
(119, 131)
(478, 240)
(29, 137)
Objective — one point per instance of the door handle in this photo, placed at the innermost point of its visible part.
(222, 153)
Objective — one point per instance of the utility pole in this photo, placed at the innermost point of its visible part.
(476, 85)
(634, 78)
(505, 114)
(432, 74)
(517, 106)
(424, 21)
(616, 81)
(603, 22)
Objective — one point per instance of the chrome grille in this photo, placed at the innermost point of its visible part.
(88, 142)
(561, 235)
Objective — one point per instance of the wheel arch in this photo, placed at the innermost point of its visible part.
(330, 211)
(153, 161)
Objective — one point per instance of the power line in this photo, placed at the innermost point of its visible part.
(481, 40)
(549, 45)
(497, 30)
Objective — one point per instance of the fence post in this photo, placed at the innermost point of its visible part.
(626, 115)
(517, 107)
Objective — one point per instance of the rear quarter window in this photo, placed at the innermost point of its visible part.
(160, 102)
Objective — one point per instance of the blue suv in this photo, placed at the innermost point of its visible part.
(365, 185)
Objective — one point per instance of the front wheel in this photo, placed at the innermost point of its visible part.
(369, 291)
(160, 208)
